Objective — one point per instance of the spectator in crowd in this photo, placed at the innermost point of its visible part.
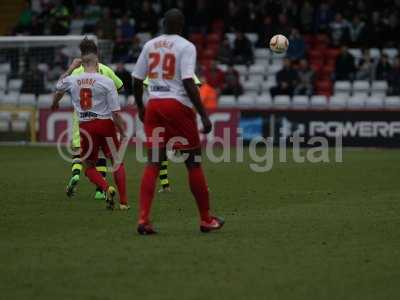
(306, 16)
(345, 65)
(215, 77)
(357, 32)
(33, 81)
(225, 55)
(323, 17)
(283, 25)
(59, 19)
(208, 94)
(297, 46)
(147, 19)
(265, 31)
(287, 79)
(377, 30)
(383, 68)
(232, 82)
(242, 49)
(365, 68)
(93, 13)
(106, 26)
(133, 51)
(339, 30)
(126, 78)
(306, 79)
(121, 47)
(394, 78)
(127, 28)
(25, 19)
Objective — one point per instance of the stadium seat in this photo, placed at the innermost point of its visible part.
(231, 37)
(375, 53)
(323, 87)
(247, 100)
(356, 101)
(3, 82)
(227, 101)
(4, 125)
(10, 99)
(361, 86)
(242, 69)
(27, 100)
(251, 86)
(213, 38)
(24, 115)
(338, 101)
(332, 54)
(253, 37)
(5, 115)
(374, 102)
(143, 37)
(19, 125)
(262, 53)
(256, 78)
(266, 86)
(380, 86)
(319, 102)
(257, 70)
(45, 100)
(391, 53)
(222, 67)
(300, 102)
(342, 87)
(356, 53)
(392, 102)
(273, 69)
(14, 85)
(5, 68)
(264, 101)
(281, 101)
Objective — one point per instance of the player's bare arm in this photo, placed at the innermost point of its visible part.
(76, 63)
(138, 94)
(119, 123)
(56, 100)
(194, 96)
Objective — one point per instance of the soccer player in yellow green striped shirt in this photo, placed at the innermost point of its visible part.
(101, 166)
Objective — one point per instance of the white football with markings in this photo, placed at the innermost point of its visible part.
(279, 43)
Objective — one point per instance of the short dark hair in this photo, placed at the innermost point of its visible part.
(88, 47)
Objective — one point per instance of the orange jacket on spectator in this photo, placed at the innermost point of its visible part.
(208, 96)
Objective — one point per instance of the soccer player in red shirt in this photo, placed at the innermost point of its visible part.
(169, 61)
(95, 99)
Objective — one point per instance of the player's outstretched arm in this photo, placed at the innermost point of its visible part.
(75, 64)
(194, 96)
(138, 94)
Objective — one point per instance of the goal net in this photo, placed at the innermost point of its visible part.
(29, 69)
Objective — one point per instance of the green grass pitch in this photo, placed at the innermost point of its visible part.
(301, 231)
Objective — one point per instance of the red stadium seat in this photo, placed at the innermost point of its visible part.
(315, 55)
(332, 54)
(197, 39)
(213, 38)
(209, 53)
(323, 87)
(217, 26)
(327, 72)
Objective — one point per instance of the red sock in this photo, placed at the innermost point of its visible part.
(96, 178)
(120, 181)
(199, 188)
(147, 188)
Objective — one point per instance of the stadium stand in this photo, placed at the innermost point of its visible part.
(257, 67)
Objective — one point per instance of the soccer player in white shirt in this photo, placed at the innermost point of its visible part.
(95, 99)
(169, 61)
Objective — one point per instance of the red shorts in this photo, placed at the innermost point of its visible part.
(93, 138)
(171, 120)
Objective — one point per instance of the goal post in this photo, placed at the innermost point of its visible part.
(29, 69)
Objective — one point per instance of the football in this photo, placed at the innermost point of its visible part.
(279, 43)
